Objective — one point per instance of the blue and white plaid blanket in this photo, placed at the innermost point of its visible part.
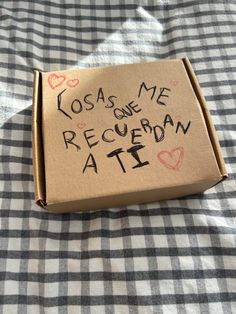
(176, 256)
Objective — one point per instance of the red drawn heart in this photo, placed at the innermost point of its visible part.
(72, 83)
(172, 159)
(55, 80)
(173, 82)
(81, 125)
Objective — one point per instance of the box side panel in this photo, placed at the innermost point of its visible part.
(38, 164)
(207, 117)
(132, 198)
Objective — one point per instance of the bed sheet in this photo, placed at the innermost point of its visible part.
(173, 256)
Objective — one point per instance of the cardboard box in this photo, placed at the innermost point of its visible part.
(127, 134)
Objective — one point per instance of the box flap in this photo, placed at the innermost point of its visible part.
(207, 117)
(37, 147)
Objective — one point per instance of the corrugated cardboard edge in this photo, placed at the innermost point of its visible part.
(37, 145)
(209, 124)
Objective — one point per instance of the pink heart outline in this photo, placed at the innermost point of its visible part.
(166, 161)
(55, 80)
(174, 82)
(81, 125)
(73, 82)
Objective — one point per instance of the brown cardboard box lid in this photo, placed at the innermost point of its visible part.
(111, 136)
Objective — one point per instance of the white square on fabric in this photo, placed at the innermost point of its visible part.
(17, 204)
(178, 220)
(169, 309)
(143, 287)
(34, 244)
(95, 224)
(200, 220)
(195, 308)
(75, 226)
(13, 308)
(231, 284)
(97, 287)
(48, 244)
(217, 308)
(227, 240)
(51, 289)
(182, 240)
(74, 246)
(164, 263)
(10, 287)
(74, 288)
(190, 286)
(54, 226)
(138, 241)
(13, 224)
(12, 265)
(186, 262)
(135, 221)
(33, 265)
(204, 240)
(208, 262)
(119, 287)
(96, 309)
(141, 264)
(229, 262)
(94, 244)
(14, 244)
(117, 264)
(160, 240)
(213, 285)
(116, 243)
(157, 221)
(95, 264)
(51, 265)
(167, 287)
(31, 308)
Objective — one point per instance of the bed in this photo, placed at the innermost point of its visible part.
(174, 256)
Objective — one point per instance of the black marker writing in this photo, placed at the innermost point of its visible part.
(76, 106)
(59, 101)
(134, 152)
(112, 104)
(184, 129)
(104, 136)
(88, 102)
(143, 85)
(92, 164)
(169, 120)
(134, 135)
(87, 137)
(100, 95)
(163, 89)
(121, 132)
(116, 153)
(68, 139)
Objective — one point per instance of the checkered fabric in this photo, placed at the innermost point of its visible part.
(175, 256)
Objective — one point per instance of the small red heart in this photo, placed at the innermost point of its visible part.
(72, 83)
(81, 125)
(172, 159)
(174, 82)
(55, 80)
